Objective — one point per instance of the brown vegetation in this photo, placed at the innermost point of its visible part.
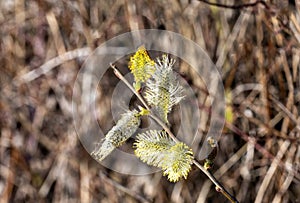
(43, 45)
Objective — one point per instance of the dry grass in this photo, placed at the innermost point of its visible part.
(43, 45)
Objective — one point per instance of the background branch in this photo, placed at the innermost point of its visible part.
(240, 6)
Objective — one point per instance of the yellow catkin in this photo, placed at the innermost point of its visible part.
(156, 148)
(141, 66)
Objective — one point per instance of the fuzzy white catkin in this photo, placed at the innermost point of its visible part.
(124, 129)
(163, 89)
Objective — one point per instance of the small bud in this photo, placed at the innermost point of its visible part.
(208, 164)
(212, 142)
(143, 111)
(218, 189)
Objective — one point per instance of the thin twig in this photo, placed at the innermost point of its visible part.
(218, 185)
(121, 188)
(240, 6)
(260, 148)
(270, 173)
(122, 78)
(222, 170)
(164, 126)
(52, 63)
(286, 111)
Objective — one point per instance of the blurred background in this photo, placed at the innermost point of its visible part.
(255, 45)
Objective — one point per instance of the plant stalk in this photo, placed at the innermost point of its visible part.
(218, 185)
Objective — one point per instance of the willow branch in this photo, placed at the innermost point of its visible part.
(122, 78)
(218, 185)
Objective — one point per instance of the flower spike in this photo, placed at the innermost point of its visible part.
(163, 90)
(123, 130)
(141, 66)
(156, 148)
